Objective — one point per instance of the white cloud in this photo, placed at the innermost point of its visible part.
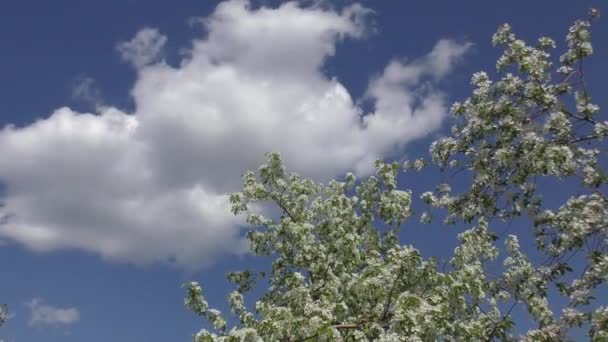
(43, 314)
(145, 48)
(151, 185)
(82, 181)
(86, 89)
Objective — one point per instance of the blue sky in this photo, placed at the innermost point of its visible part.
(110, 213)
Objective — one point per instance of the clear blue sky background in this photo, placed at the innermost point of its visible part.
(48, 45)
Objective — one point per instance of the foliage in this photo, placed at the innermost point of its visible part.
(339, 271)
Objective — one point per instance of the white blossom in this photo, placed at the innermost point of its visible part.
(341, 270)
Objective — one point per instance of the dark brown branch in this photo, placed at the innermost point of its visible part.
(390, 294)
(589, 137)
(282, 206)
(581, 118)
(494, 330)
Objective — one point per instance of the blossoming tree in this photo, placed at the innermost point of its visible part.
(340, 272)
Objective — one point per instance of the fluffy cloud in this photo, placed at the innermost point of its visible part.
(151, 185)
(145, 48)
(43, 314)
(83, 181)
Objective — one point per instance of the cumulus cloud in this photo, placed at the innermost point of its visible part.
(151, 185)
(43, 314)
(145, 48)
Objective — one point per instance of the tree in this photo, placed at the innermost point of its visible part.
(339, 271)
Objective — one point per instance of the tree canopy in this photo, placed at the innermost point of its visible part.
(341, 272)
